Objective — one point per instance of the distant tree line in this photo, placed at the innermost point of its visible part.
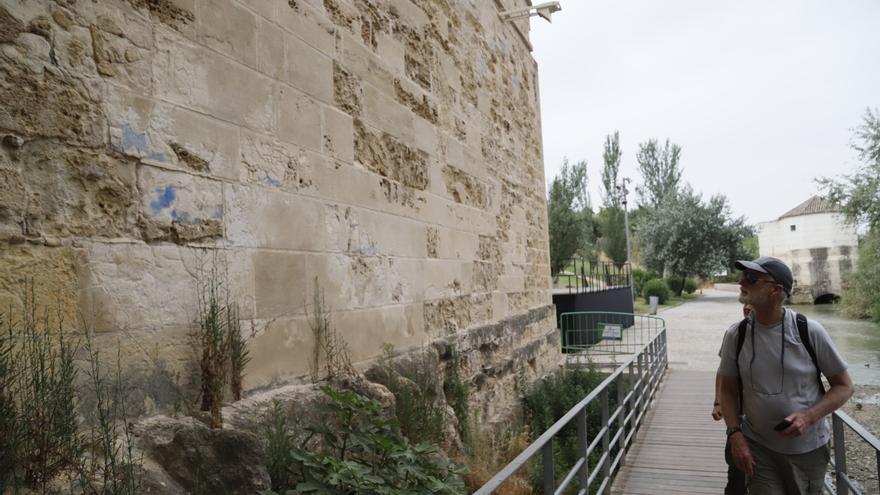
(858, 195)
(675, 232)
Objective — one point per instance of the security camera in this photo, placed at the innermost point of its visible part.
(544, 10)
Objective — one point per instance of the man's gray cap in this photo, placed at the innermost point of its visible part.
(774, 267)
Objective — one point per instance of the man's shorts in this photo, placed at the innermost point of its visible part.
(788, 473)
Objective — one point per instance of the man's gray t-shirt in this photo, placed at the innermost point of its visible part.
(779, 380)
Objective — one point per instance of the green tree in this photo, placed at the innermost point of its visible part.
(686, 236)
(611, 159)
(661, 174)
(569, 216)
(858, 195)
(610, 219)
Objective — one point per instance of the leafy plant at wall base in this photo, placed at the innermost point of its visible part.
(279, 443)
(363, 452)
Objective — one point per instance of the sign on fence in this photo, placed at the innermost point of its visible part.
(611, 331)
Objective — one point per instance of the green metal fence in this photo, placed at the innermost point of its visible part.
(601, 337)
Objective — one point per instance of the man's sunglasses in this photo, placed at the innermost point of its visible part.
(751, 278)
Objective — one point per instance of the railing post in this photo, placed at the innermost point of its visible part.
(621, 419)
(584, 474)
(607, 436)
(549, 468)
(839, 455)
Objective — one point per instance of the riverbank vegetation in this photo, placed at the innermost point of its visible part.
(858, 195)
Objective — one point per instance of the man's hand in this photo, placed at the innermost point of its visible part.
(716, 412)
(742, 456)
(800, 422)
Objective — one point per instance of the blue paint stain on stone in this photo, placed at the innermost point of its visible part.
(180, 217)
(159, 157)
(269, 181)
(218, 213)
(133, 140)
(164, 197)
(367, 250)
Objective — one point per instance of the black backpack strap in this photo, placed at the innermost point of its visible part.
(740, 340)
(804, 332)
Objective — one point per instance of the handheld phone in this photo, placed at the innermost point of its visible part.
(782, 425)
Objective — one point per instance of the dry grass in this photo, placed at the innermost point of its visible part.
(490, 453)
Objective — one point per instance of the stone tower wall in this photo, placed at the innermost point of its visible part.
(387, 150)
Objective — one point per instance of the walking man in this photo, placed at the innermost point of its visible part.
(772, 397)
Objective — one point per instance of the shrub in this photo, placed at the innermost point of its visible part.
(657, 287)
(640, 278)
(363, 452)
(548, 399)
(675, 284)
(690, 285)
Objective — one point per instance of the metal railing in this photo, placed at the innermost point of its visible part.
(580, 275)
(636, 382)
(842, 482)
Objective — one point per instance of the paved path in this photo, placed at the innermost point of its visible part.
(694, 329)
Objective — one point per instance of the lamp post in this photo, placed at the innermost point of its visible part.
(623, 191)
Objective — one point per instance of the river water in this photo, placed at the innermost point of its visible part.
(857, 340)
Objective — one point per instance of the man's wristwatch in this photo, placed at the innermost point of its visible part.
(733, 429)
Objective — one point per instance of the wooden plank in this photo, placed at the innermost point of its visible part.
(679, 448)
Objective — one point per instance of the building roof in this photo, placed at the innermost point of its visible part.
(813, 205)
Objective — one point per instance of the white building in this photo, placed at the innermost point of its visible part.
(818, 244)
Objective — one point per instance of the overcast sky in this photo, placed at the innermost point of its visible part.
(761, 95)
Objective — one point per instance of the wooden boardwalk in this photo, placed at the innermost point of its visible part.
(679, 448)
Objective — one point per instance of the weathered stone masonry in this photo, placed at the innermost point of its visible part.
(389, 149)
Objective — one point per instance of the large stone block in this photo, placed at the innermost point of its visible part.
(280, 352)
(367, 331)
(357, 281)
(179, 207)
(269, 162)
(299, 119)
(47, 277)
(226, 26)
(308, 69)
(139, 287)
(195, 77)
(370, 233)
(383, 112)
(270, 50)
(261, 217)
(338, 134)
(50, 190)
(362, 62)
(309, 25)
(280, 283)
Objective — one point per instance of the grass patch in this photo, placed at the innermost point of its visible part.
(641, 307)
